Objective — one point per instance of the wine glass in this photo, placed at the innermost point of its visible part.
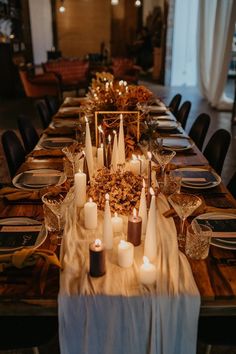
(163, 156)
(184, 204)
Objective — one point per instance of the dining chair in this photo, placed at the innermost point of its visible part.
(28, 133)
(199, 129)
(14, 151)
(183, 112)
(44, 113)
(174, 103)
(216, 149)
(53, 104)
(232, 185)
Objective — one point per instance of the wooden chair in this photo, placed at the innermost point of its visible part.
(28, 133)
(199, 129)
(183, 112)
(53, 104)
(217, 148)
(14, 151)
(174, 103)
(44, 113)
(125, 69)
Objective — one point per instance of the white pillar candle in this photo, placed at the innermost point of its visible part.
(121, 143)
(134, 165)
(80, 188)
(147, 272)
(88, 149)
(143, 209)
(90, 215)
(100, 160)
(125, 254)
(107, 226)
(150, 243)
(114, 157)
(117, 223)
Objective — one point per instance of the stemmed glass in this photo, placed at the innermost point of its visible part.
(184, 204)
(163, 156)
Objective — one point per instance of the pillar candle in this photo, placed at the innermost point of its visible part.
(100, 159)
(134, 228)
(125, 254)
(147, 272)
(143, 209)
(114, 157)
(150, 243)
(117, 223)
(134, 165)
(89, 150)
(149, 178)
(107, 226)
(90, 215)
(109, 152)
(97, 261)
(121, 143)
(80, 189)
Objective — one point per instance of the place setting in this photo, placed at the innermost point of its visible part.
(56, 142)
(177, 143)
(198, 178)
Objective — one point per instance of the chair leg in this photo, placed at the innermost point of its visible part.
(35, 350)
(208, 349)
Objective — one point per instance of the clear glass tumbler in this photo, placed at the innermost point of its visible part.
(198, 241)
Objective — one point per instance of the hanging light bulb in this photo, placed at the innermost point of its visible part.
(114, 2)
(62, 7)
(137, 3)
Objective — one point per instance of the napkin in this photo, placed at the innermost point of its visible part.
(113, 312)
(42, 153)
(11, 194)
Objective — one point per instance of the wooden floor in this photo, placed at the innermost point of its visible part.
(10, 108)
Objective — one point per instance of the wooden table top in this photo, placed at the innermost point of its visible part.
(20, 292)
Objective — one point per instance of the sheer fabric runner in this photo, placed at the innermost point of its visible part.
(115, 314)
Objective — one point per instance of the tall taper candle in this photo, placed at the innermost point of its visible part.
(89, 150)
(97, 261)
(134, 228)
(149, 178)
(109, 152)
(121, 143)
(100, 158)
(150, 243)
(107, 226)
(114, 157)
(143, 209)
(86, 170)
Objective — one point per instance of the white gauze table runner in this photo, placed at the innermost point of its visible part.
(115, 314)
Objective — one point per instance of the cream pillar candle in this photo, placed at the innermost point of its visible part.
(80, 188)
(150, 243)
(134, 165)
(117, 223)
(114, 157)
(143, 209)
(125, 254)
(100, 159)
(147, 272)
(121, 143)
(90, 215)
(88, 149)
(107, 226)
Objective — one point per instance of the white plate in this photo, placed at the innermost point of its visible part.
(157, 109)
(217, 241)
(164, 118)
(58, 123)
(206, 185)
(177, 143)
(44, 171)
(167, 124)
(56, 143)
(24, 221)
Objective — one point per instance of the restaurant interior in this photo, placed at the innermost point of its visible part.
(117, 176)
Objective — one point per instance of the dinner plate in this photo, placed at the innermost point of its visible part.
(198, 178)
(167, 124)
(177, 143)
(165, 117)
(157, 109)
(20, 222)
(56, 143)
(58, 123)
(37, 179)
(227, 243)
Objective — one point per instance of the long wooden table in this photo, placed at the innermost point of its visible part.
(20, 288)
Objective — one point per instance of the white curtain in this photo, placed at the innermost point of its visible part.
(216, 27)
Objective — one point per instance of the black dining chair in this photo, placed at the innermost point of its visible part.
(14, 151)
(44, 113)
(199, 129)
(174, 103)
(232, 185)
(183, 112)
(53, 104)
(216, 149)
(28, 133)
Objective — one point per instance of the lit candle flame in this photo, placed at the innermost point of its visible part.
(100, 129)
(107, 197)
(146, 260)
(144, 184)
(151, 191)
(134, 157)
(97, 242)
(123, 243)
(114, 132)
(83, 152)
(101, 146)
(109, 138)
(149, 155)
(115, 214)
(90, 200)
(134, 213)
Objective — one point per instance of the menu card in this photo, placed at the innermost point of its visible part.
(220, 227)
(14, 236)
(197, 177)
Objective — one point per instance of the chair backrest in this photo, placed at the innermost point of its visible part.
(28, 133)
(232, 185)
(174, 103)
(52, 103)
(217, 148)
(199, 129)
(44, 113)
(183, 112)
(14, 151)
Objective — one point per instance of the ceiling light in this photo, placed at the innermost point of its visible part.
(137, 3)
(114, 2)
(62, 7)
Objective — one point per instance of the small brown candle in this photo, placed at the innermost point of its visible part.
(134, 229)
(97, 262)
